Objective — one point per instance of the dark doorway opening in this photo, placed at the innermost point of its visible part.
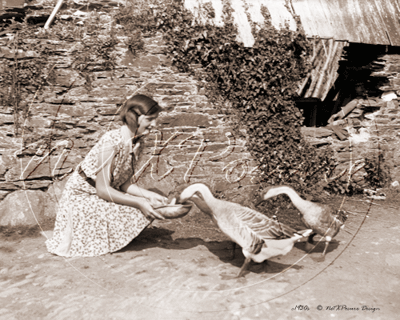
(359, 66)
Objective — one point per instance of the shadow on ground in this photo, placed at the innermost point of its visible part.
(162, 238)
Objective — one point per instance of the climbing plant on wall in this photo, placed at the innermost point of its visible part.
(260, 83)
(31, 68)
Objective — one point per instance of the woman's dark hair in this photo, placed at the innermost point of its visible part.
(136, 106)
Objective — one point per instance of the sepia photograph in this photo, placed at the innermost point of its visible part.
(199, 159)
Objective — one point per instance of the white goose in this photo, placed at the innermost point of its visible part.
(318, 217)
(259, 236)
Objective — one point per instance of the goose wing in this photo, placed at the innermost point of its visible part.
(325, 222)
(239, 231)
(222, 213)
(262, 226)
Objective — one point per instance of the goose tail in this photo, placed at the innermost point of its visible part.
(287, 231)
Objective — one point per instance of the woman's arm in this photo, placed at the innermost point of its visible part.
(154, 198)
(108, 193)
(135, 190)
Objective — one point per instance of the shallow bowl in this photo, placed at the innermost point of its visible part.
(174, 211)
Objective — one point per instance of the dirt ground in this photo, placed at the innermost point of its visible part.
(180, 269)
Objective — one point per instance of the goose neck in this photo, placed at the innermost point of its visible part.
(206, 193)
(294, 197)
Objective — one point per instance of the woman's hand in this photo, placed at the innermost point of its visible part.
(149, 212)
(157, 200)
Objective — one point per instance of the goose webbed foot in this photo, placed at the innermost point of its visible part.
(244, 267)
(319, 258)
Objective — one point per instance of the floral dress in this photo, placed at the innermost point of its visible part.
(87, 225)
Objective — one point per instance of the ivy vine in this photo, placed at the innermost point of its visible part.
(260, 83)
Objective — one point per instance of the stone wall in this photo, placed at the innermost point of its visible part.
(73, 117)
(372, 127)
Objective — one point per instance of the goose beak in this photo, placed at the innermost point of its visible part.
(178, 200)
(198, 195)
(267, 195)
(201, 204)
(259, 202)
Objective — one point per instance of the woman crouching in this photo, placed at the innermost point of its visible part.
(100, 210)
